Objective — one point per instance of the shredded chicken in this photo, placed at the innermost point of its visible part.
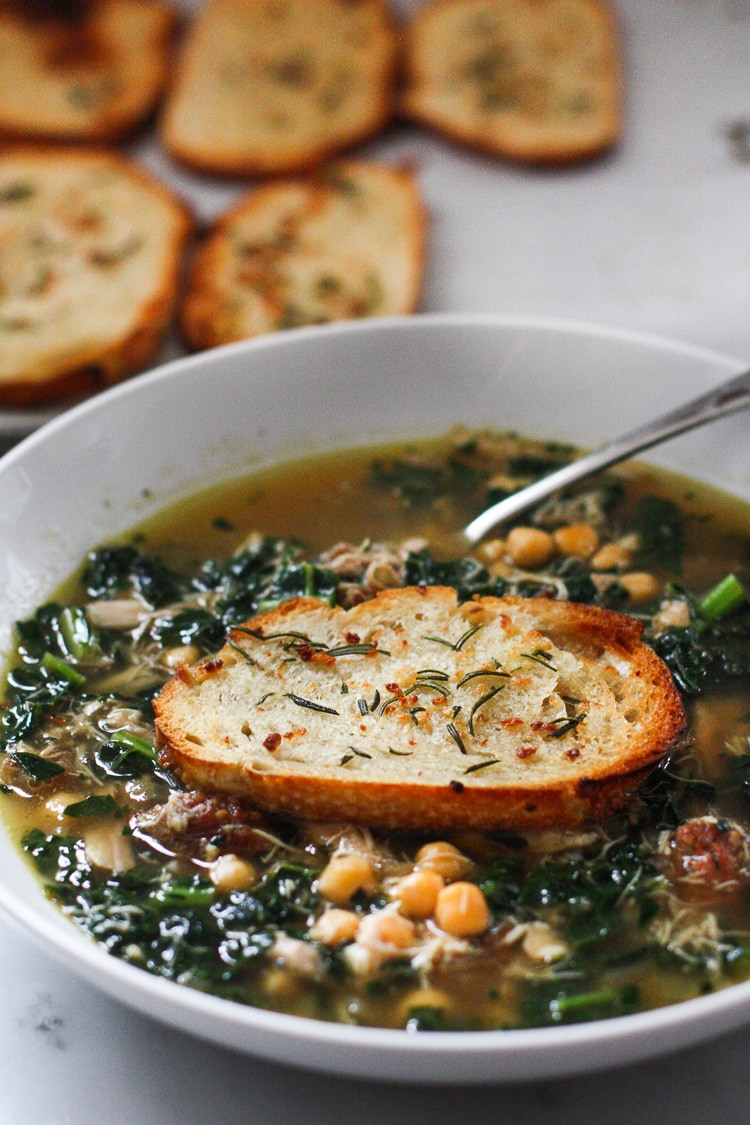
(203, 825)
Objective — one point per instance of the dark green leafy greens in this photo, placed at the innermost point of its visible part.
(175, 926)
(715, 645)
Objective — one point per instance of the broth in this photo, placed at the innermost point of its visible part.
(648, 909)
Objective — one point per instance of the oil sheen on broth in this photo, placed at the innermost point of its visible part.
(337, 922)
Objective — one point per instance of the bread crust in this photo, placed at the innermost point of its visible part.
(91, 249)
(478, 72)
(421, 779)
(256, 95)
(91, 78)
(348, 242)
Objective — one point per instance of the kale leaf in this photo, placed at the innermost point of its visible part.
(117, 570)
(701, 654)
(32, 695)
(465, 575)
(595, 895)
(175, 927)
(260, 577)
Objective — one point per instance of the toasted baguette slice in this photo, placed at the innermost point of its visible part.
(348, 243)
(410, 711)
(90, 249)
(94, 74)
(536, 81)
(270, 89)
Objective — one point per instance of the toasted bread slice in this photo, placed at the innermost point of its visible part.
(275, 88)
(90, 250)
(347, 243)
(410, 711)
(91, 71)
(537, 81)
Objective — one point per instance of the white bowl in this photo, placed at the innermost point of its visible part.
(104, 465)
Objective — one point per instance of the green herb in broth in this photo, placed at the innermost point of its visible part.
(645, 910)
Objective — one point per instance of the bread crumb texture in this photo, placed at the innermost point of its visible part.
(89, 257)
(537, 81)
(267, 87)
(411, 711)
(346, 243)
(88, 72)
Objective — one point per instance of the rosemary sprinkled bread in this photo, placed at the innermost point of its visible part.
(90, 250)
(411, 711)
(81, 69)
(347, 243)
(274, 88)
(533, 80)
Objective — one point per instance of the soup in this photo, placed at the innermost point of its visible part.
(343, 922)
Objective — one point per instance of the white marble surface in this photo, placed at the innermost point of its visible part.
(655, 237)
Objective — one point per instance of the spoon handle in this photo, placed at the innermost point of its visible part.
(724, 399)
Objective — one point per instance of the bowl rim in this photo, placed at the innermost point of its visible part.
(203, 1014)
(51, 421)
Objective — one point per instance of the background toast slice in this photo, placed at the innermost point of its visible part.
(272, 89)
(83, 71)
(410, 711)
(536, 81)
(90, 252)
(347, 243)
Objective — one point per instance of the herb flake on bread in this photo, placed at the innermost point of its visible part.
(90, 254)
(537, 81)
(273, 88)
(413, 711)
(346, 243)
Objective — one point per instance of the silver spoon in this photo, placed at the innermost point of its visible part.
(724, 399)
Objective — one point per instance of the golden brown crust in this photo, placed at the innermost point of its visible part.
(101, 368)
(301, 162)
(420, 807)
(495, 91)
(358, 225)
(590, 783)
(81, 349)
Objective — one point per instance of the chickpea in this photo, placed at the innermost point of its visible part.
(345, 874)
(530, 547)
(181, 654)
(443, 858)
(296, 956)
(640, 586)
(230, 873)
(462, 910)
(578, 539)
(612, 556)
(335, 927)
(417, 893)
(385, 928)
(491, 551)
